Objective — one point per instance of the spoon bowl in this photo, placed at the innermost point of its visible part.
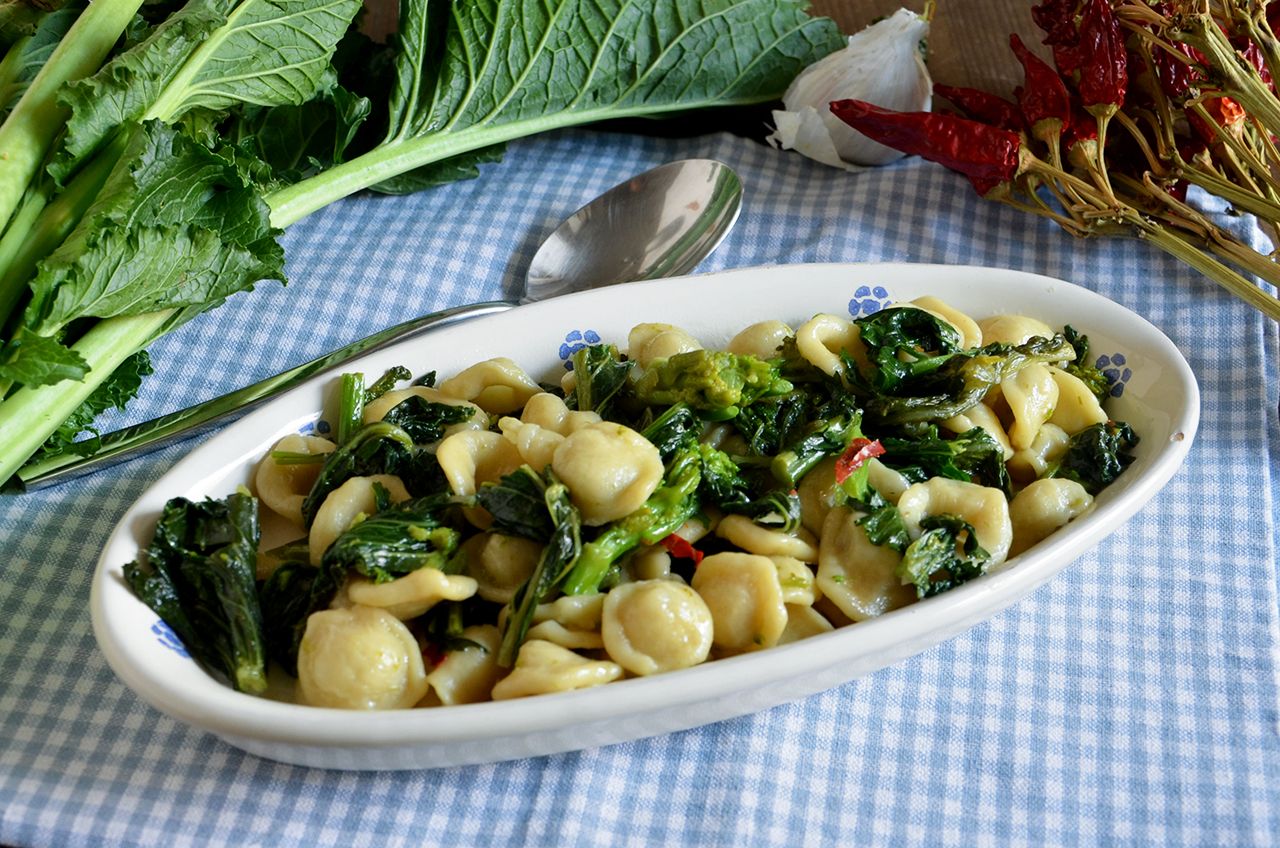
(661, 223)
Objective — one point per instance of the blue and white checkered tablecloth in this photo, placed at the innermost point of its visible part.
(1134, 700)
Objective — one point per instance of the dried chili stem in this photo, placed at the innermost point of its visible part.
(1223, 275)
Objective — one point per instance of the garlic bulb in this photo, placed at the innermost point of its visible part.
(881, 65)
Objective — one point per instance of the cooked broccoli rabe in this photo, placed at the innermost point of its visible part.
(962, 381)
(379, 448)
(767, 424)
(735, 490)
(882, 521)
(387, 382)
(559, 556)
(425, 421)
(716, 383)
(904, 342)
(601, 380)
(1096, 455)
(199, 577)
(946, 555)
(820, 438)
(671, 505)
(973, 456)
(518, 504)
(397, 540)
(674, 429)
(292, 592)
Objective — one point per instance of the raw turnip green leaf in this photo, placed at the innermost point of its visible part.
(175, 225)
(212, 54)
(509, 68)
(39, 361)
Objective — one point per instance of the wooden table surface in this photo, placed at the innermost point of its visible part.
(968, 41)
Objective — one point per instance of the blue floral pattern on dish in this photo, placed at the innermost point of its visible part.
(1113, 366)
(868, 300)
(576, 340)
(166, 636)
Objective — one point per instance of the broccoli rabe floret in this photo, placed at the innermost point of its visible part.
(716, 383)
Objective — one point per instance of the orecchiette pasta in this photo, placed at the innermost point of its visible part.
(359, 658)
(1048, 446)
(745, 598)
(796, 580)
(468, 673)
(536, 444)
(610, 470)
(802, 623)
(500, 564)
(822, 338)
(752, 538)
(1077, 407)
(340, 509)
(413, 594)
(1013, 329)
(284, 486)
(970, 332)
(471, 458)
(761, 339)
(983, 507)
(1043, 507)
(570, 622)
(656, 625)
(542, 668)
(982, 416)
(497, 386)
(819, 492)
(1032, 394)
(550, 413)
(650, 563)
(648, 343)
(856, 576)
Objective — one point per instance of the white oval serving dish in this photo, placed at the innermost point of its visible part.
(1155, 392)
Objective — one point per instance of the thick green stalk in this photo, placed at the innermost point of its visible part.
(30, 416)
(31, 238)
(14, 244)
(9, 67)
(299, 200)
(28, 132)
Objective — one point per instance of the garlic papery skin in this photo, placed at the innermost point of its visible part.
(882, 65)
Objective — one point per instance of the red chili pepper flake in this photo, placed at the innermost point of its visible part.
(432, 654)
(680, 547)
(1043, 96)
(985, 154)
(855, 456)
(1104, 74)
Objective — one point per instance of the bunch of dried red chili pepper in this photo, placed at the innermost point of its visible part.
(1144, 98)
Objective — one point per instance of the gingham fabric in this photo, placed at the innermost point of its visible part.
(1131, 701)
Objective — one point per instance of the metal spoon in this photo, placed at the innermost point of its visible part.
(661, 223)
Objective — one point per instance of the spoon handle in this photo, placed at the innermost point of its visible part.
(138, 439)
